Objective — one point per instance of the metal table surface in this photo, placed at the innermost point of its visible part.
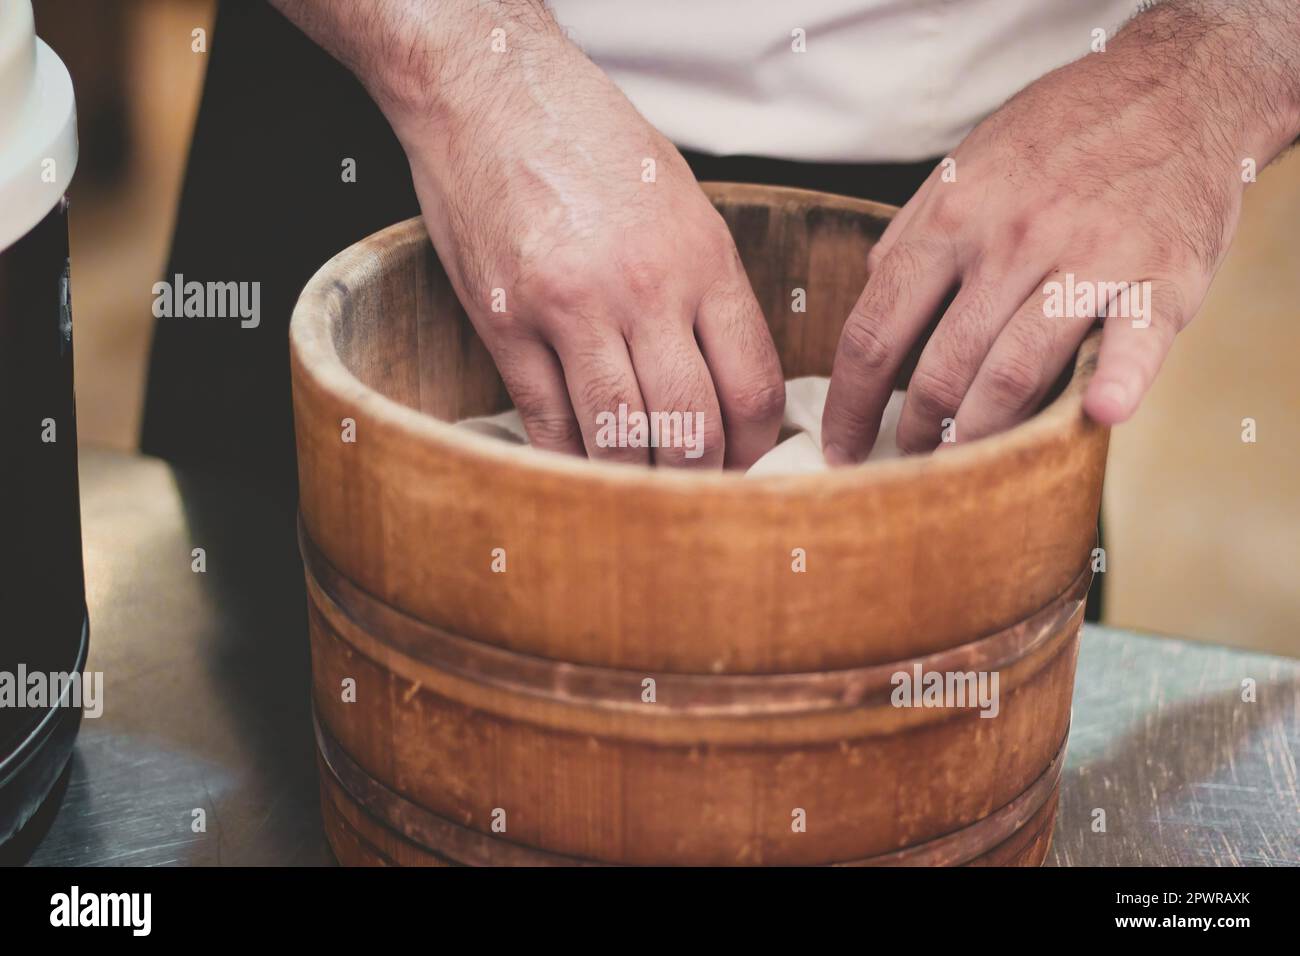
(206, 707)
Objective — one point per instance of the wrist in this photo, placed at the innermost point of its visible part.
(460, 60)
(1234, 64)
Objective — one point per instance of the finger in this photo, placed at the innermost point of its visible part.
(603, 390)
(746, 371)
(898, 225)
(686, 422)
(1133, 347)
(1026, 360)
(898, 302)
(956, 349)
(535, 380)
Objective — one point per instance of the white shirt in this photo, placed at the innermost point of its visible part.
(879, 81)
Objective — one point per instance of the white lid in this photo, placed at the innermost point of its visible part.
(38, 122)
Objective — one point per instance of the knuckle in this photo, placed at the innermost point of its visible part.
(717, 236)
(1018, 230)
(499, 330)
(711, 227)
(761, 401)
(914, 439)
(531, 402)
(552, 430)
(693, 447)
(644, 280)
(845, 421)
(555, 287)
(1013, 379)
(951, 209)
(1035, 223)
(865, 345)
(935, 392)
(712, 265)
(918, 435)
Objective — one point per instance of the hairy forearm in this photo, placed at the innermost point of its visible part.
(1237, 61)
(427, 58)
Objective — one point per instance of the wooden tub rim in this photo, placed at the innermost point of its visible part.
(323, 300)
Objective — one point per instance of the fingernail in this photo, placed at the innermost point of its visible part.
(836, 456)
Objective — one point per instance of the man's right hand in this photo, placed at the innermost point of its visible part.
(590, 262)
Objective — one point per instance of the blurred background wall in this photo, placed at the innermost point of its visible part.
(137, 84)
(1203, 529)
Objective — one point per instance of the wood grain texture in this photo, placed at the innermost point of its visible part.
(627, 567)
(463, 732)
(680, 577)
(359, 838)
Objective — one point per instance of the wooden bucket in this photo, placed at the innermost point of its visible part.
(476, 717)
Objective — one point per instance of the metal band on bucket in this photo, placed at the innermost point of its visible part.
(380, 629)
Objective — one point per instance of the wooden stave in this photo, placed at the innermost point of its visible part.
(1059, 444)
(359, 837)
(399, 730)
(1000, 568)
(422, 653)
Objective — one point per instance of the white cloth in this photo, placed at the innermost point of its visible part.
(879, 81)
(798, 452)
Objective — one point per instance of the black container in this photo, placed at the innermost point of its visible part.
(44, 626)
(43, 622)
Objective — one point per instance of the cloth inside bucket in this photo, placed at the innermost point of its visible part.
(798, 449)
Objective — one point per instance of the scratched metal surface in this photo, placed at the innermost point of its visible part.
(1187, 772)
(206, 707)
